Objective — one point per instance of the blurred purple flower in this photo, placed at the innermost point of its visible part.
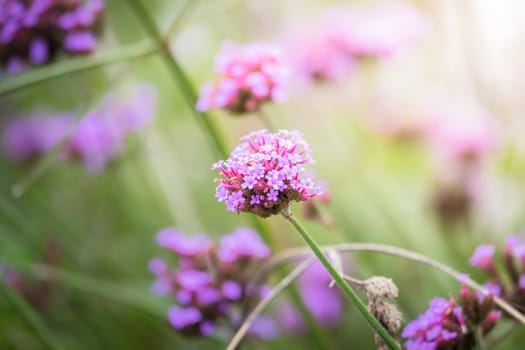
(33, 136)
(314, 287)
(482, 257)
(81, 42)
(243, 243)
(249, 76)
(31, 32)
(96, 139)
(186, 246)
(264, 327)
(263, 173)
(290, 318)
(184, 317)
(209, 280)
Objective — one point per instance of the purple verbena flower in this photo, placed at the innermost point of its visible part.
(264, 327)
(96, 140)
(482, 257)
(521, 282)
(314, 286)
(186, 246)
(250, 75)
(264, 173)
(33, 31)
(436, 326)
(209, 282)
(181, 318)
(243, 243)
(35, 135)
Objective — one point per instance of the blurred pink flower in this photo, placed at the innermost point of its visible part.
(384, 30)
(249, 76)
(460, 131)
(328, 48)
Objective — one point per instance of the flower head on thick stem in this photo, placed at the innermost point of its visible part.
(264, 173)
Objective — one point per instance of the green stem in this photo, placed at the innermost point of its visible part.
(176, 72)
(265, 119)
(30, 316)
(37, 75)
(345, 288)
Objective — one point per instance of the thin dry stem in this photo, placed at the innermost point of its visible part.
(296, 253)
(285, 282)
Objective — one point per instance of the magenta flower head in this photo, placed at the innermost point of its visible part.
(264, 173)
(482, 257)
(33, 136)
(101, 134)
(33, 31)
(243, 243)
(250, 75)
(439, 326)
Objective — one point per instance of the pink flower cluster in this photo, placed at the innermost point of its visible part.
(98, 138)
(209, 280)
(264, 173)
(329, 49)
(32, 31)
(249, 76)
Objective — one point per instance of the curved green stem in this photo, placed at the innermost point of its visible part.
(345, 288)
(30, 316)
(37, 75)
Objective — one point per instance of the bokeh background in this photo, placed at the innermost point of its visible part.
(389, 182)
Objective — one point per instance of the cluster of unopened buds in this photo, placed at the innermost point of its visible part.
(265, 173)
(507, 282)
(210, 282)
(32, 32)
(250, 75)
(451, 324)
(96, 139)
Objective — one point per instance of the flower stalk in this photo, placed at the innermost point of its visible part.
(345, 288)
